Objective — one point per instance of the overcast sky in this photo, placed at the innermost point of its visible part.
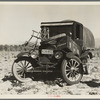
(18, 21)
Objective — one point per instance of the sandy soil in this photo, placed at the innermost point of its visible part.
(44, 85)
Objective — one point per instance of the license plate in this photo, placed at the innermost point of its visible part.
(46, 51)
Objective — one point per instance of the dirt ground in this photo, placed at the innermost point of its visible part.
(46, 84)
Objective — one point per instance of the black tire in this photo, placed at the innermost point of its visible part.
(72, 70)
(20, 69)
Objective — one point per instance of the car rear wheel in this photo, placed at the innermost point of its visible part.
(72, 70)
(21, 69)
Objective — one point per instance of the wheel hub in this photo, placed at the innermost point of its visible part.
(72, 68)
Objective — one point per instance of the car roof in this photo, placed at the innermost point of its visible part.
(59, 23)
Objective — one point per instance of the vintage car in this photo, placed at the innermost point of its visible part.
(65, 47)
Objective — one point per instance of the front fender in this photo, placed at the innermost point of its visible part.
(26, 54)
(29, 59)
(69, 55)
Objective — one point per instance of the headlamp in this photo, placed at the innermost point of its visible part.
(58, 55)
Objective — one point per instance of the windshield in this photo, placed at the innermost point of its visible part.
(55, 30)
(47, 32)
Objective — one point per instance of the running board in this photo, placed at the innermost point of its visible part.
(46, 71)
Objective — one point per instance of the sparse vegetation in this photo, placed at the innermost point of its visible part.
(89, 85)
(16, 47)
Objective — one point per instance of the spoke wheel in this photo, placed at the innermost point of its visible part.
(21, 69)
(72, 70)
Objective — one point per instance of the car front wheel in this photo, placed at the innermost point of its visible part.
(21, 69)
(72, 70)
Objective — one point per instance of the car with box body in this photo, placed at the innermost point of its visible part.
(65, 47)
